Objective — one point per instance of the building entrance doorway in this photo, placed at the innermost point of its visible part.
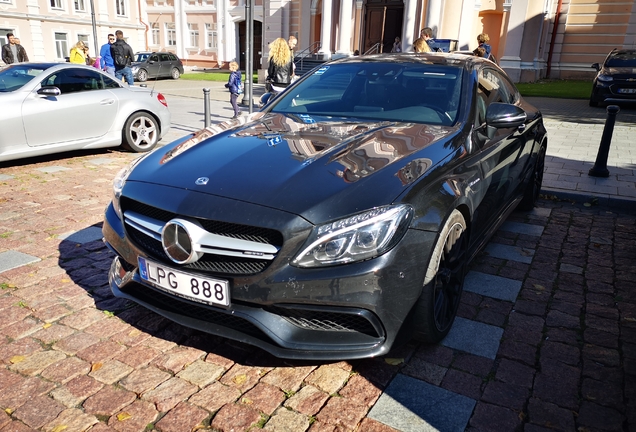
(257, 55)
(382, 23)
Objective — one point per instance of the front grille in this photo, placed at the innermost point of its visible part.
(326, 320)
(211, 263)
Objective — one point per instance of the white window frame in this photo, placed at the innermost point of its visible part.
(79, 5)
(156, 31)
(120, 8)
(171, 34)
(56, 4)
(85, 38)
(6, 1)
(61, 45)
(193, 31)
(211, 36)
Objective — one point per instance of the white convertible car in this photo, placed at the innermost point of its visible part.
(55, 107)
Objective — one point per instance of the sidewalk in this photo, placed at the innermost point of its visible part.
(574, 134)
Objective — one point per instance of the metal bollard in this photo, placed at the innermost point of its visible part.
(600, 166)
(206, 106)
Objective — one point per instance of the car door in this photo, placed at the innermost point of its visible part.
(166, 64)
(84, 111)
(502, 158)
(154, 66)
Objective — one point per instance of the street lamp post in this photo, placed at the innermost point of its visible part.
(94, 28)
(249, 48)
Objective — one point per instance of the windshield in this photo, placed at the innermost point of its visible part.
(15, 76)
(139, 57)
(622, 59)
(421, 93)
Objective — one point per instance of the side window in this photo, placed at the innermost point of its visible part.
(76, 80)
(154, 58)
(173, 57)
(164, 57)
(110, 83)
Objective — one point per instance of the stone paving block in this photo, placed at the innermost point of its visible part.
(506, 252)
(492, 286)
(411, 405)
(4, 177)
(287, 378)
(37, 362)
(143, 380)
(71, 419)
(13, 259)
(184, 417)
(423, 370)
(263, 397)
(328, 378)
(235, 417)
(102, 161)
(85, 235)
(284, 420)
(522, 228)
(108, 401)
(360, 391)
(53, 169)
(169, 393)
(342, 412)
(75, 391)
(66, 369)
(462, 337)
(110, 371)
(39, 411)
(309, 400)
(134, 417)
(215, 396)
(201, 373)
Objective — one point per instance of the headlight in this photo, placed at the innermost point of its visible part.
(605, 78)
(120, 180)
(356, 238)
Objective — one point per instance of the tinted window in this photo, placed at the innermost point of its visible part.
(173, 57)
(15, 76)
(622, 59)
(76, 80)
(422, 93)
(494, 87)
(164, 57)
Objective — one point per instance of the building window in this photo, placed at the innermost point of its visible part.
(121, 7)
(84, 38)
(155, 33)
(5, 1)
(80, 6)
(61, 45)
(194, 34)
(210, 34)
(171, 34)
(56, 4)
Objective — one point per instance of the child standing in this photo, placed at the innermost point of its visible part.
(234, 84)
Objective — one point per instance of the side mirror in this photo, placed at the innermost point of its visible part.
(49, 91)
(502, 115)
(596, 66)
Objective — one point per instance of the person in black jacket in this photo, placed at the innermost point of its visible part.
(122, 55)
(281, 64)
(13, 52)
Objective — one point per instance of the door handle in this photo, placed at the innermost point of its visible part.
(107, 102)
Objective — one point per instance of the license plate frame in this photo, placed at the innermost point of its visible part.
(627, 90)
(210, 291)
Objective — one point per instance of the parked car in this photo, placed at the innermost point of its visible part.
(56, 107)
(615, 81)
(156, 65)
(345, 212)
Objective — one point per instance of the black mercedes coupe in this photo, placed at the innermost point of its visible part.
(340, 216)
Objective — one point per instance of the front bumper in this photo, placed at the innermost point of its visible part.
(341, 312)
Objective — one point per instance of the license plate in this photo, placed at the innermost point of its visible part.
(176, 282)
(627, 90)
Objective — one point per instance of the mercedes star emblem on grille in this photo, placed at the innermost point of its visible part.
(177, 243)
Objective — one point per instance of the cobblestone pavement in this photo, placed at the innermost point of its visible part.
(545, 338)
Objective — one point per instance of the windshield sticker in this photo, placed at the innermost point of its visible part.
(322, 70)
(307, 119)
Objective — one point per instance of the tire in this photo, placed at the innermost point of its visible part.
(141, 133)
(533, 189)
(142, 75)
(175, 74)
(434, 312)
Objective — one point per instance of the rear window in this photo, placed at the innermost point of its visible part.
(421, 93)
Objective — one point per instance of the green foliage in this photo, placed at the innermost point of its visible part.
(566, 89)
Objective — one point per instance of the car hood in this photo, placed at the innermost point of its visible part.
(317, 167)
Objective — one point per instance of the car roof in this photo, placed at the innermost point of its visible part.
(435, 58)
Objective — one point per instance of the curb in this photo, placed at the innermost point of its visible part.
(611, 201)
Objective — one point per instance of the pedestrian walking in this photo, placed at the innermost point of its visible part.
(235, 86)
(122, 55)
(107, 62)
(79, 53)
(13, 52)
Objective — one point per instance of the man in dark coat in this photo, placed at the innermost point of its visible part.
(13, 52)
(122, 55)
